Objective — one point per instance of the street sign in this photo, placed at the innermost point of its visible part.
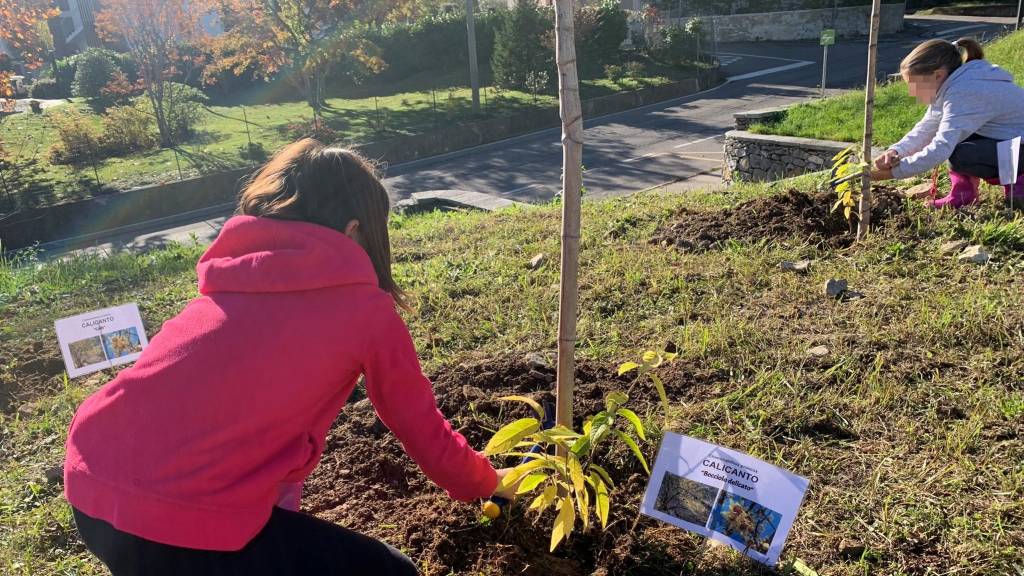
(828, 37)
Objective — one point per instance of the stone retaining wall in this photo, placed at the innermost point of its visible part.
(803, 24)
(753, 157)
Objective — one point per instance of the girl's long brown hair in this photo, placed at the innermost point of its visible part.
(310, 182)
(936, 54)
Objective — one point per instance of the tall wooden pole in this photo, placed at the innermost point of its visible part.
(572, 183)
(864, 222)
(474, 70)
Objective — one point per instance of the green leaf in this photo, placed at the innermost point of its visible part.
(506, 438)
(634, 420)
(636, 450)
(615, 399)
(601, 493)
(546, 499)
(576, 473)
(670, 356)
(628, 366)
(603, 473)
(564, 524)
(533, 403)
(581, 446)
(660, 386)
(531, 482)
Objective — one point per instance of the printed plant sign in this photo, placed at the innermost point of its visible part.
(101, 339)
(724, 495)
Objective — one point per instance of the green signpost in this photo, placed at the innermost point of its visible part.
(828, 38)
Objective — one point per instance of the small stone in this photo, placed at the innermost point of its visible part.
(538, 375)
(819, 352)
(851, 550)
(684, 245)
(920, 191)
(800, 265)
(54, 474)
(538, 261)
(473, 393)
(536, 361)
(815, 160)
(975, 255)
(950, 248)
(835, 288)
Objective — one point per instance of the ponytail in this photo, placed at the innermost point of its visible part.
(969, 49)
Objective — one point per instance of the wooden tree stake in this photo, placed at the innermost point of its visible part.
(864, 221)
(572, 183)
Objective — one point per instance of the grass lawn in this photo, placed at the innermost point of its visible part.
(365, 114)
(922, 382)
(842, 117)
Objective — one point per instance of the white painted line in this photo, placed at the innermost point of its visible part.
(759, 73)
(757, 56)
(697, 141)
(952, 31)
(648, 155)
(523, 188)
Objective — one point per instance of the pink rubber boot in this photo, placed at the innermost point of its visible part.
(964, 191)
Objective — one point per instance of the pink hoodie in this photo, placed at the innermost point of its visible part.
(235, 395)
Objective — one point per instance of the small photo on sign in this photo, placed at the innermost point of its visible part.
(101, 339)
(122, 343)
(685, 499)
(745, 521)
(87, 351)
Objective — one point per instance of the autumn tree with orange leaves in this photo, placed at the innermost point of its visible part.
(158, 34)
(20, 26)
(301, 39)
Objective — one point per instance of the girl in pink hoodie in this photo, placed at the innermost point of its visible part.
(190, 461)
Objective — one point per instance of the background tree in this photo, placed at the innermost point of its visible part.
(302, 39)
(158, 34)
(21, 31)
(522, 44)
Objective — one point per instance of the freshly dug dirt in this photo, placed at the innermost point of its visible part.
(367, 483)
(790, 215)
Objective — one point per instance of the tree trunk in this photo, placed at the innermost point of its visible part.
(864, 221)
(572, 183)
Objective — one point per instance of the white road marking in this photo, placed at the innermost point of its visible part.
(798, 64)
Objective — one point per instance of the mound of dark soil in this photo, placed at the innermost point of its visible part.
(367, 483)
(790, 215)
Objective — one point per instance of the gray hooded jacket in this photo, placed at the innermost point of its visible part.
(978, 98)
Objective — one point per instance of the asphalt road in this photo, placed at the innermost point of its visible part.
(675, 140)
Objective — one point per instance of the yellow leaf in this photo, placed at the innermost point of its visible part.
(518, 472)
(660, 387)
(846, 212)
(576, 473)
(583, 504)
(506, 438)
(531, 482)
(546, 498)
(564, 524)
(603, 473)
(628, 366)
(650, 357)
(533, 403)
(602, 503)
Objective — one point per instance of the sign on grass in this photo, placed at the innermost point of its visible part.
(828, 37)
(101, 339)
(724, 495)
(1009, 160)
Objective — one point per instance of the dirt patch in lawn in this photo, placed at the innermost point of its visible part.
(790, 215)
(367, 483)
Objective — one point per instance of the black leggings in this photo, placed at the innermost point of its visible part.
(291, 543)
(978, 156)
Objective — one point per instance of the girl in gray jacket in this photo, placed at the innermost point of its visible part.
(972, 105)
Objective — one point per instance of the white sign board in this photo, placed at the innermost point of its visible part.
(102, 339)
(1009, 160)
(724, 495)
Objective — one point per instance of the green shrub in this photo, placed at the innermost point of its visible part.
(614, 72)
(610, 29)
(127, 129)
(77, 138)
(182, 109)
(680, 44)
(46, 89)
(94, 69)
(634, 70)
(523, 43)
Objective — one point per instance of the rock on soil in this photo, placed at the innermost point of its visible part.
(790, 215)
(835, 288)
(975, 255)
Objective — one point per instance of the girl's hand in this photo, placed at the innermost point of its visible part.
(510, 492)
(888, 160)
(882, 174)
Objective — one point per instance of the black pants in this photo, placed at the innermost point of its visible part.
(978, 156)
(291, 543)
